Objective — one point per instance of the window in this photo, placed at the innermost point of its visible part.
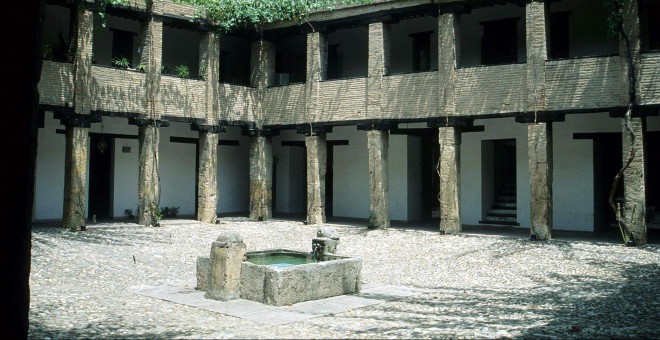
(334, 62)
(122, 44)
(421, 57)
(558, 43)
(650, 16)
(499, 43)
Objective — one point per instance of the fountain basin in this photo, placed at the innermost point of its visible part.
(283, 277)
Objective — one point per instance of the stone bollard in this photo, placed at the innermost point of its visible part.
(224, 279)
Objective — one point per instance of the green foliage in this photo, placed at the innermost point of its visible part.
(129, 214)
(230, 14)
(614, 18)
(182, 71)
(121, 62)
(169, 211)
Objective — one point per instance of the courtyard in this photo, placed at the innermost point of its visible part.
(472, 285)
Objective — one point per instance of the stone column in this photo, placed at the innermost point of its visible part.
(207, 183)
(316, 169)
(448, 40)
(634, 178)
(539, 145)
(224, 279)
(539, 134)
(209, 66)
(77, 125)
(450, 212)
(379, 208)
(261, 178)
(634, 185)
(151, 46)
(262, 64)
(149, 180)
(378, 66)
(317, 65)
(82, 64)
(535, 22)
(75, 178)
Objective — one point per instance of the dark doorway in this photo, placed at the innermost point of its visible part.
(334, 62)
(329, 175)
(499, 189)
(430, 179)
(607, 163)
(652, 148)
(100, 176)
(499, 44)
(329, 194)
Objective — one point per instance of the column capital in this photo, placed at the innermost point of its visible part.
(256, 132)
(379, 124)
(207, 127)
(311, 130)
(450, 121)
(77, 120)
(148, 122)
(541, 117)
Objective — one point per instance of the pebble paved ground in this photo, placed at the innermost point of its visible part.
(482, 286)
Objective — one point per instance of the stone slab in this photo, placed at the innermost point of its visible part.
(183, 292)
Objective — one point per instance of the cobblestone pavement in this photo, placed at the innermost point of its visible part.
(481, 286)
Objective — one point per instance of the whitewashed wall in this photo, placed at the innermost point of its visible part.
(351, 170)
(233, 173)
(471, 193)
(49, 181)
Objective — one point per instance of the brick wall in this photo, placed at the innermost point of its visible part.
(584, 83)
(285, 104)
(342, 100)
(117, 90)
(412, 95)
(492, 89)
(183, 97)
(56, 84)
(236, 103)
(649, 82)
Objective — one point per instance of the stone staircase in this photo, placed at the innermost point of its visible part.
(503, 211)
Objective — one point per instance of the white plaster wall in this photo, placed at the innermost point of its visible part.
(177, 169)
(351, 169)
(234, 173)
(398, 177)
(414, 178)
(291, 176)
(573, 178)
(125, 165)
(471, 31)
(49, 175)
(573, 175)
(402, 44)
(503, 128)
(126, 173)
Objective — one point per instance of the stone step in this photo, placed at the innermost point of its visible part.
(507, 206)
(490, 221)
(505, 199)
(506, 219)
(502, 212)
